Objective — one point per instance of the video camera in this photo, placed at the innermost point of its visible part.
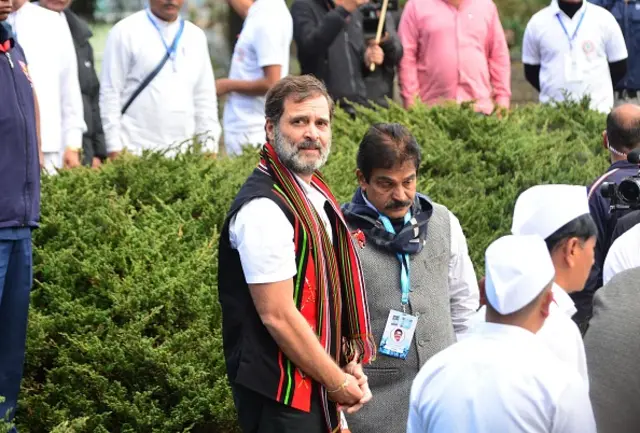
(371, 14)
(625, 195)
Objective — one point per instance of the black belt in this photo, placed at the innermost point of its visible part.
(627, 93)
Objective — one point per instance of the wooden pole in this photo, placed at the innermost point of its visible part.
(383, 14)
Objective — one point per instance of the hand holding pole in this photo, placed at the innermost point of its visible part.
(383, 14)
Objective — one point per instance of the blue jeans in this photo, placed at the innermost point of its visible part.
(16, 276)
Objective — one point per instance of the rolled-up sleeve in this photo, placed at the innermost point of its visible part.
(463, 284)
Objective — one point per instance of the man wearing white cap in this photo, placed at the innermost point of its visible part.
(502, 378)
(560, 215)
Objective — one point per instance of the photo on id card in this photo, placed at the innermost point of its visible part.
(398, 334)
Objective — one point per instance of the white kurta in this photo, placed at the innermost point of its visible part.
(179, 103)
(500, 379)
(559, 333)
(53, 67)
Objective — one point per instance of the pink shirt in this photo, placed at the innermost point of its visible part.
(454, 54)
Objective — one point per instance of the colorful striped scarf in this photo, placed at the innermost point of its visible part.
(341, 299)
(342, 268)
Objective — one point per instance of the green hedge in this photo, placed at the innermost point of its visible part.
(124, 329)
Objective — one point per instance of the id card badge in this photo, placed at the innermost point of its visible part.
(572, 68)
(398, 334)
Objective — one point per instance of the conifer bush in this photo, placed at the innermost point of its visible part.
(124, 333)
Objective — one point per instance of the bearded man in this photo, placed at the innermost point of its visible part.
(295, 320)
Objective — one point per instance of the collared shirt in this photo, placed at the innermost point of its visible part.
(624, 254)
(180, 101)
(597, 42)
(501, 379)
(265, 40)
(53, 68)
(264, 237)
(559, 333)
(454, 54)
(463, 284)
(627, 14)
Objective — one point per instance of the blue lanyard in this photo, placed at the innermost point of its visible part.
(575, 32)
(171, 50)
(405, 283)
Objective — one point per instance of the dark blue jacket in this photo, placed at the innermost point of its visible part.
(606, 222)
(628, 17)
(19, 163)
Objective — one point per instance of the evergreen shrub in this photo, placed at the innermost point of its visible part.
(124, 331)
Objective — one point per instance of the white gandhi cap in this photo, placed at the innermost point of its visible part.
(517, 269)
(543, 209)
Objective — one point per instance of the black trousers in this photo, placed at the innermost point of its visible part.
(259, 414)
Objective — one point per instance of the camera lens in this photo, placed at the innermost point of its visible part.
(629, 190)
(608, 189)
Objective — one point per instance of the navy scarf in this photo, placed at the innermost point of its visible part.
(409, 240)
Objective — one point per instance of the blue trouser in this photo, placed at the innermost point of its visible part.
(16, 275)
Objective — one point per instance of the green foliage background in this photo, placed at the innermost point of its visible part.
(124, 327)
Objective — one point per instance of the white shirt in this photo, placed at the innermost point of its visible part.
(263, 236)
(559, 333)
(53, 66)
(598, 42)
(180, 101)
(624, 254)
(463, 283)
(265, 40)
(500, 379)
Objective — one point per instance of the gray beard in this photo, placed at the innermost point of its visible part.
(289, 154)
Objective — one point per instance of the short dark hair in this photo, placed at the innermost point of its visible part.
(386, 145)
(299, 87)
(583, 228)
(623, 132)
